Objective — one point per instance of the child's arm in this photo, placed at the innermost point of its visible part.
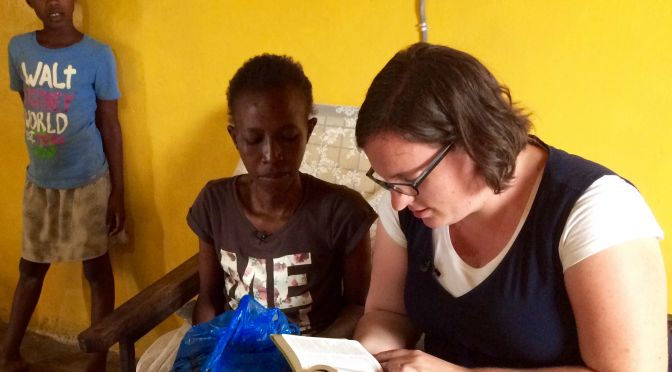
(356, 277)
(107, 122)
(211, 300)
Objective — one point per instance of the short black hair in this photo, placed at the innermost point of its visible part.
(266, 72)
(438, 95)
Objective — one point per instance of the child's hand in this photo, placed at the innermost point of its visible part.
(116, 213)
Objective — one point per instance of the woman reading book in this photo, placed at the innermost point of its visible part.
(506, 252)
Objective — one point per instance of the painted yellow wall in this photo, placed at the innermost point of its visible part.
(594, 74)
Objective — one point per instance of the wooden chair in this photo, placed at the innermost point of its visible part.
(331, 154)
(140, 314)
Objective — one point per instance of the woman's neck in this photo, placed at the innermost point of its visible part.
(499, 214)
(529, 166)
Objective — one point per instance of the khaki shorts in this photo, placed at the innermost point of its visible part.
(65, 225)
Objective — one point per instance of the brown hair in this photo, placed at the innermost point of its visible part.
(435, 94)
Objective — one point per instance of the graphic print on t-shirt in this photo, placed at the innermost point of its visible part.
(46, 114)
(254, 282)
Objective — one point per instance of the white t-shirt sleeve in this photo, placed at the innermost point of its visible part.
(389, 218)
(611, 211)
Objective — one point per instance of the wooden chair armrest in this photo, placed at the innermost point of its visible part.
(144, 311)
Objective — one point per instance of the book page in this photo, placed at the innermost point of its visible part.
(341, 354)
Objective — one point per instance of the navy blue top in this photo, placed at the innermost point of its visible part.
(519, 316)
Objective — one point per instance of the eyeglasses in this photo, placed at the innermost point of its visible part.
(411, 188)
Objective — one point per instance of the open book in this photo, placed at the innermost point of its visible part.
(325, 354)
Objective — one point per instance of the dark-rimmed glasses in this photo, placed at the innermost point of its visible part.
(411, 188)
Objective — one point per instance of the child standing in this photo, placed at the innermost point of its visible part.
(74, 194)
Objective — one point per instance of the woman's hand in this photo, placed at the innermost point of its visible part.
(385, 325)
(414, 360)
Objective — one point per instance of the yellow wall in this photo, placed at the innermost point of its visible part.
(595, 75)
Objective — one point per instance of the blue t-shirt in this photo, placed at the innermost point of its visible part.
(60, 88)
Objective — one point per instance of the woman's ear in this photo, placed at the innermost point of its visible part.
(312, 122)
(232, 132)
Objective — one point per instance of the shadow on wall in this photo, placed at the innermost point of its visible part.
(206, 153)
(146, 236)
(198, 159)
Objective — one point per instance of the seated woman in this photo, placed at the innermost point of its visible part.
(506, 252)
(289, 239)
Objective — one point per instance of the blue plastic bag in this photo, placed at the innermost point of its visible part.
(236, 341)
